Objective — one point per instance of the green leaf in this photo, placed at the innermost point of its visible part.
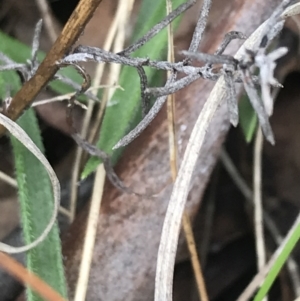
(20, 53)
(9, 82)
(125, 114)
(288, 247)
(36, 202)
(248, 118)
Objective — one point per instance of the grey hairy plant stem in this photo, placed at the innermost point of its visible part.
(112, 176)
(258, 107)
(145, 97)
(175, 85)
(157, 28)
(88, 147)
(231, 96)
(36, 44)
(87, 53)
(273, 21)
(84, 53)
(147, 119)
(211, 58)
(229, 36)
(200, 27)
(197, 36)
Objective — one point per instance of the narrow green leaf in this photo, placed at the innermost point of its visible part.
(278, 264)
(125, 114)
(248, 118)
(36, 202)
(9, 82)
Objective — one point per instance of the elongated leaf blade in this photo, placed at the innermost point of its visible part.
(248, 118)
(125, 114)
(286, 249)
(36, 202)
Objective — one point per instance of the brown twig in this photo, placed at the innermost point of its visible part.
(69, 35)
(28, 278)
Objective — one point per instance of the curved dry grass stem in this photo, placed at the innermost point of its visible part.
(21, 135)
(170, 233)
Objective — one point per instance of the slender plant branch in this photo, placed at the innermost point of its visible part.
(47, 69)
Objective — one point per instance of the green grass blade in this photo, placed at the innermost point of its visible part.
(282, 257)
(125, 114)
(248, 118)
(36, 202)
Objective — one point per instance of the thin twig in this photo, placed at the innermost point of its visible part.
(90, 234)
(18, 271)
(8, 180)
(49, 67)
(200, 27)
(197, 269)
(158, 27)
(257, 202)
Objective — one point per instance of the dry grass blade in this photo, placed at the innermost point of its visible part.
(257, 200)
(197, 269)
(171, 101)
(21, 135)
(186, 222)
(118, 30)
(29, 279)
(170, 233)
(90, 234)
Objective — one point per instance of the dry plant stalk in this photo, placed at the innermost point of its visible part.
(48, 67)
(257, 201)
(186, 222)
(28, 278)
(124, 9)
